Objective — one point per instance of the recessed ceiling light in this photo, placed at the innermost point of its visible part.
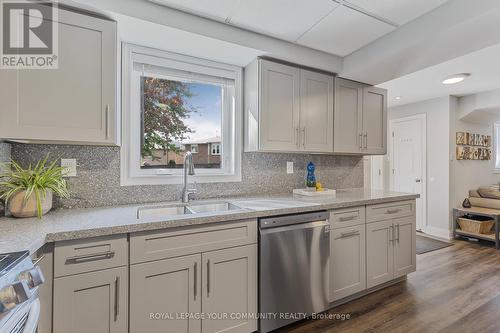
(397, 98)
(456, 78)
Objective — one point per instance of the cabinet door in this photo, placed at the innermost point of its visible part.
(167, 289)
(316, 111)
(279, 107)
(92, 302)
(348, 116)
(375, 120)
(379, 253)
(347, 261)
(404, 246)
(230, 287)
(76, 102)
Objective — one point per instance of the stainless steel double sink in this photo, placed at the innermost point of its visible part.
(169, 210)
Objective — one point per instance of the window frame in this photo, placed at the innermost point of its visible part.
(191, 146)
(232, 125)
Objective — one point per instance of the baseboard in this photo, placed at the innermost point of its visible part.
(438, 232)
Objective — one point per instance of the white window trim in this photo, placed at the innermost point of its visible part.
(130, 172)
(191, 148)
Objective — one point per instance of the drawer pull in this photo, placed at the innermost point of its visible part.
(393, 211)
(349, 234)
(346, 218)
(208, 278)
(91, 257)
(117, 297)
(195, 280)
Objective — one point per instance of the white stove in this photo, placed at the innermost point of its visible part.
(19, 304)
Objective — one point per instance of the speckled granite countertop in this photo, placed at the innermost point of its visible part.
(66, 224)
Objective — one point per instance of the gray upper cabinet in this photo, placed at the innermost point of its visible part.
(92, 302)
(75, 103)
(348, 116)
(360, 118)
(375, 120)
(279, 94)
(287, 109)
(316, 111)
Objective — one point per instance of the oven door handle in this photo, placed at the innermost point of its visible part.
(33, 317)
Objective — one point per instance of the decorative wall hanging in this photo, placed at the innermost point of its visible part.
(472, 146)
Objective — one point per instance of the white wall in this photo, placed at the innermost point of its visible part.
(466, 175)
(438, 153)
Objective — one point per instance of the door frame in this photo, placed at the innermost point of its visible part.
(423, 118)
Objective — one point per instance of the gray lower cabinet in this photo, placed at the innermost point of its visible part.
(75, 103)
(230, 287)
(91, 302)
(163, 293)
(347, 261)
(390, 250)
(216, 283)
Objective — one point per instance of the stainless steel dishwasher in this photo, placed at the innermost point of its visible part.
(294, 254)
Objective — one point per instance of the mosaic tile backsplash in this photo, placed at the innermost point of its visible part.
(98, 175)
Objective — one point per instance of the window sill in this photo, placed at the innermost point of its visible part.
(177, 179)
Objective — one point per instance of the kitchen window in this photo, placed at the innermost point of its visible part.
(173, 104)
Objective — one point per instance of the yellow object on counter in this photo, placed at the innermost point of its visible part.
(319, 187)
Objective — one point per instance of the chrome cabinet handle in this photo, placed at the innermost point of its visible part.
(346, 218)
(91, 257)
(297, 136)
(391, 236)
(349, 234)
(303, 136)
(107, 121)
(117, 297)
(208, 278)
(366, 140)
(397, 228)
(393, 211)
(195, 280)
(360, 140)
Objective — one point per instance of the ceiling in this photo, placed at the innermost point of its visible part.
(483, 65)
(335, 26)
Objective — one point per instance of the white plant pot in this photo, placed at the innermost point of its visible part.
(19, 208)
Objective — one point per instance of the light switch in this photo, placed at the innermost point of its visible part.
(289, 167)
(70, 165)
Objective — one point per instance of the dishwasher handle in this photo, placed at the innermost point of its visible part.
(302, 226)
(286, 220)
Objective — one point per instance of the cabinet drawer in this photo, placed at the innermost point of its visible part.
(80, 256)
(148, 246)
(391, 210)
(346, 217)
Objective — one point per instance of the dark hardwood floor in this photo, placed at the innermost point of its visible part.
(455, 289)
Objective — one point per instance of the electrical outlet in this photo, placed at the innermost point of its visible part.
(70, 165)
(289, 167)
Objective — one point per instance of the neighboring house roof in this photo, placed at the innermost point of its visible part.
(215, 139)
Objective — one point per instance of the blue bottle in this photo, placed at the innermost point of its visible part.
(311, 179)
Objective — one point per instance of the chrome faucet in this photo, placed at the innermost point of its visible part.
(188, 169)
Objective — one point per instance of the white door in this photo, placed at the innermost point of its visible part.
(408, 161)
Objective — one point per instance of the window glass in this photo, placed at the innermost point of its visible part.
(177, 117)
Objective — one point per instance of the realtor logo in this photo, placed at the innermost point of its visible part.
(29, 34)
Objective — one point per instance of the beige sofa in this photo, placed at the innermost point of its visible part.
(485, 196)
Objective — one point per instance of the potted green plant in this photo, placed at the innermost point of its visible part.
(28, 192)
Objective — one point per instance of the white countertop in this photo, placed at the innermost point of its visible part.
(67, 224)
